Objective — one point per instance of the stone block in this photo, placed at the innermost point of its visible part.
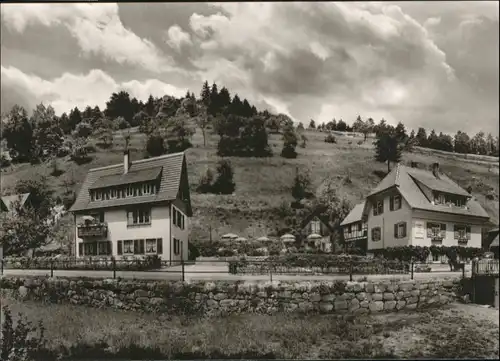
(305, 306)
(380, 287)
(412, 300)
(141, 293)
(220, 296)
(349, 295)
(315, 297)
(412, 306)
(389, 305)
(388, 296)
(376, 306)
(361, 296)
(377, 296)
(328, 298)
(370, 287)
(361, 311)
(325, 307)
(364, 304)
(155, 301)
(340, 305)
(400, 305)
(23, 292)
(400, 295)
(415, 293)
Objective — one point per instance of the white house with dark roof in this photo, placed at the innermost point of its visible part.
(412, 206)
(136, 208)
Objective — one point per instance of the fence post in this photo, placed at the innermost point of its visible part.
(463, 272)
(411, 265)
(271, 271)
(51, 268)
(1, 266)
(182, 269)
(350, 270)
(114, 267)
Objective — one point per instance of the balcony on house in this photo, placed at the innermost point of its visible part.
(437, 240)
(92, 229)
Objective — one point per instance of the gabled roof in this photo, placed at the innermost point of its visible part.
(403, 178)
(136, 176)
(355, 215)
(321, 217)
(9, 200)
(496, 242)
(170, 178)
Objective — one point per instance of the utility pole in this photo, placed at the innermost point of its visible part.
(210, 229)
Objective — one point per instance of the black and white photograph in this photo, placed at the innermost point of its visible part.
(249, 180)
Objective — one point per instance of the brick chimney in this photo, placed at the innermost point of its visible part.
(126, 161)
(435, 170)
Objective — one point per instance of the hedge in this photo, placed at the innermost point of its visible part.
(317, 263)
(84, 263)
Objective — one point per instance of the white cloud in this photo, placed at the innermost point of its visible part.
(96, 27)
(70, 90)
(177, 37)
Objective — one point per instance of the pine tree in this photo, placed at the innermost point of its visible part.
(205, 94)
(224, 184)
(387, 148)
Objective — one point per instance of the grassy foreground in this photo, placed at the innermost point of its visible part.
(75, 332)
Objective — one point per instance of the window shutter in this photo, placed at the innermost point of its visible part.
(182, 221)
(404, 229)
(391, 203)
(159, 246)
(443, 230)
(136, 246)
(141, 246)
(80, 249)
(395, 231)
(455, 232)
(119, 248)
(467, 230)
(174, 211)
(101, 217)
(110, 248)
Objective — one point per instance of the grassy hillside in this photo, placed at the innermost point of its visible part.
(263, 184)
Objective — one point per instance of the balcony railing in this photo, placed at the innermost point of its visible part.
(436, 240)
(463, 241)
(92, 230)
(355, 234)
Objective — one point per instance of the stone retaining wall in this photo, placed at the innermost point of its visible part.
(221, 298)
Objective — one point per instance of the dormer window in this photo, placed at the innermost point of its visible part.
(132, 190)
(449, 200)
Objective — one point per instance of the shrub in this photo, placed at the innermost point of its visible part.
(330, 138)
(224, 183)
(84, 263)
(155, 145)
(22, 342)
(205, 185)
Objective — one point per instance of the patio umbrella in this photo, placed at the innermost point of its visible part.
(241, 239)
(229, 236)
(88, 218)
(288, 238)
(263, 239)
(314, 236)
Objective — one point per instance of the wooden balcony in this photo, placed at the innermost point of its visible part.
(463, 241)
(355, 235)
(92, 230)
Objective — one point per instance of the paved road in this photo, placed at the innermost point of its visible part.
(214, 273)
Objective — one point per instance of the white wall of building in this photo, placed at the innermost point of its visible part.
(386, 222)
(118, 229)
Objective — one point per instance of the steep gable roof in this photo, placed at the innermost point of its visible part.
(171, 166)
(403, 178)
(8, 201)
(316, 214)
(355, 215)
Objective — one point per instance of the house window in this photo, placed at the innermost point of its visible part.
(436, 230)
(315, 227)
(461, 232)
(376, 234)
(378, 208)
(98, 216)
(97, 195)
(90, 248)
(177, 246)
(400, 230)
(151, 245)
(360, 227)
(104, 248)
(178, 218)
(439, 198)
(128, 246)
(395, 203)
(138, 216)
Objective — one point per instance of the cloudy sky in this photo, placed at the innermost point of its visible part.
(426, 64)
